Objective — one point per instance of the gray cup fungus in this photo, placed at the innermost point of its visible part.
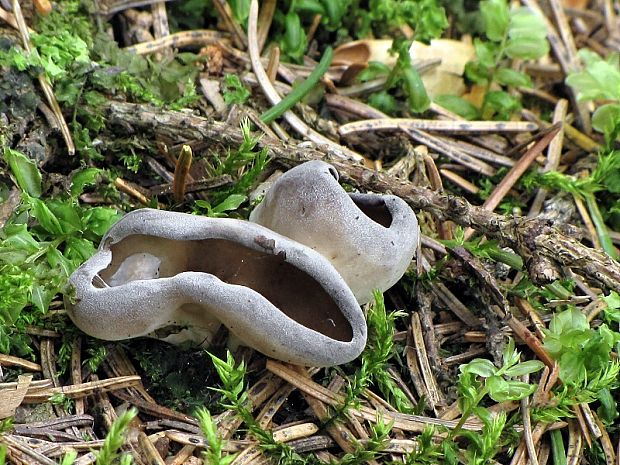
(370, 239)
(288, 286)
(158, 271)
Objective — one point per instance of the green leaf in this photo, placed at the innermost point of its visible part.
(526, 48)
(334, 12)
(374, 70)
(599, 80)
(301, 90)
(501, 390)
(241, 10)
(572, 367)
(511, 77)
(45, 217)
(496, 17)
(486, 52)
(25, 171)
(232, 202)
(527, 34)
(294, 40)
(480, 367)
(431, 20)
(458, 105)
(19, 238)
(525, 24)
(42, 297)
(86, 177)
(234, 90)
(67, 213)
(477, 73)
(612, 300)
(571, 319)
(383, 101)
(60, 262)
(416, 93)
(557, 448)
(499, 104)
(608, 411)
(606, 119)
(98, 220)
(78, 249)
(510, 356)
(310, 6)
(524, 368)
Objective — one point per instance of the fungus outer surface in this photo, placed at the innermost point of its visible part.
(370, 239)
(157, 270)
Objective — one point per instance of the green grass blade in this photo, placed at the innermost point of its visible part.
(301, 90)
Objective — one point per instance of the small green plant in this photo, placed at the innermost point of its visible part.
(234, 91)
(213, 454)
(230, 203)
(291, 34)
(383, 17)
(97, 353)
(605, 178)
(516, 33)
(114, 440)
(402, 77)
(132, 161)
(587, 357)
(427, 451)
(354, 18)
(379, 350)
(69, 458)
(293, 42)
(67, 403)
(40, 246)
(539, 296)
(480, 378)
(588, 369)
(600, 80)
(245, 164)
(373, 447)
(484, 445)
(235, 397)
(488, 250)
(6, 425)
(580, 391)
(83, 65)
(577, 347)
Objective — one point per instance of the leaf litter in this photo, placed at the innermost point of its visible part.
(500, 345)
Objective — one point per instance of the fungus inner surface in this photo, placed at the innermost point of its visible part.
(287, 287)
(374, 208)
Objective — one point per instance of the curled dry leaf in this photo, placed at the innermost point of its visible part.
(10, 399)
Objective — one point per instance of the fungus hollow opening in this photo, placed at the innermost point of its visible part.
(333, 172)
(288, 288)
(374, 208)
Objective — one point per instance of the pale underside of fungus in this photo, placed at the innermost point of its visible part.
(370, 239)
(179, 277)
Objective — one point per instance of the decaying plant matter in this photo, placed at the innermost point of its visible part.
(495, 122)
